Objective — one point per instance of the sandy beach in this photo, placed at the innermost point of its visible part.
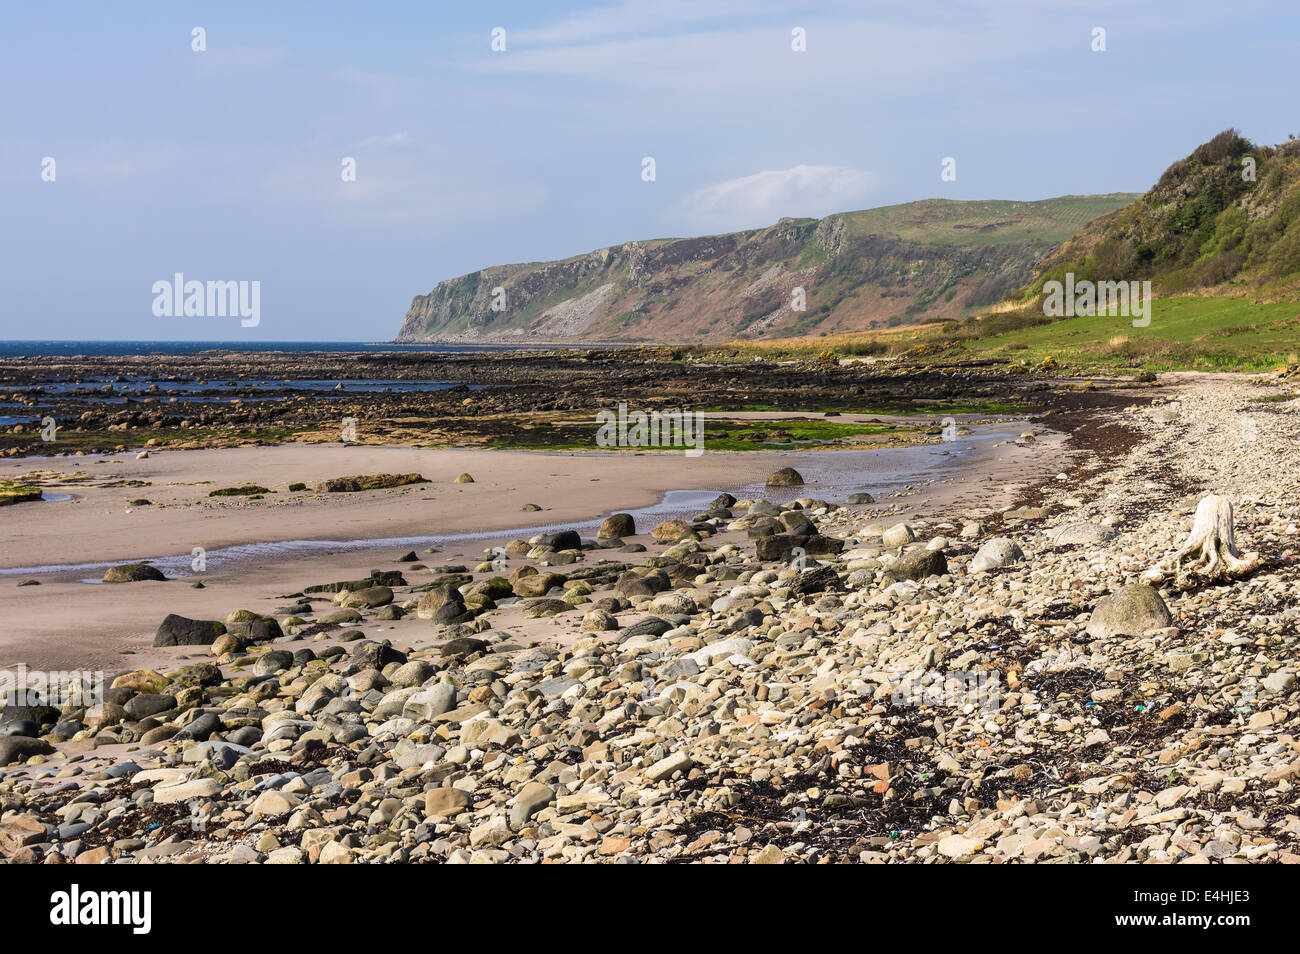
(111, 626)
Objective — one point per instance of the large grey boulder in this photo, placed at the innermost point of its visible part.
(531, 799)
(179, 631)
(996, 553)
(16, 748)
(435, 599)
(785, 477)
(367, 598)
(900, 534)
(616, 526)
(430, 703)
(1130, 611)
(132, 573)
(917, 565)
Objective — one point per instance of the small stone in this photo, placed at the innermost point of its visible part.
(445, 802)
(996, 553)
(274, 802)
(531, 799)
(900, 534)
(769, 855)
(668, 766)
(184, 791)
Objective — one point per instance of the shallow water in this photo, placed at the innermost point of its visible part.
(22, 348)
(100, 388)
(97, 392)
(829, 475)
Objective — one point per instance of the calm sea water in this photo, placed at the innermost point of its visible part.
(18, 349)
(104, 390)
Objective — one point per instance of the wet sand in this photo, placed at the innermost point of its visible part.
(65, 623)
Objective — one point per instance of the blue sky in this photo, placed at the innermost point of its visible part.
(225, 164)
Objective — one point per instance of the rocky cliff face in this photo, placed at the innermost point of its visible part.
(847, 272)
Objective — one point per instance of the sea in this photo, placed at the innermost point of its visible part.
(69, 349)
(99, 389)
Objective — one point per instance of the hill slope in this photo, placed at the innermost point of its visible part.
(1224, 220)
(877, 268)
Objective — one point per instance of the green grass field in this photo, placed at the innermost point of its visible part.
(985, 222)
(719, 435)
(1186, 333)
(1209, 334)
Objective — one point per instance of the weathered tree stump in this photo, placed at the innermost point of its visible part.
(1211, 548)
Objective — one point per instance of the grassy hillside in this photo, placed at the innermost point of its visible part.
(1224, 219)
(1186, 333)
(1218, 237)
(859, 271)
(985, 221)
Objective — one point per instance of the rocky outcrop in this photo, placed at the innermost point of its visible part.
(851, 271)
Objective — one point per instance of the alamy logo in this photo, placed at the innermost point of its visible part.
(76, 688)
(979, 688)
(656, 429)
(74, 907)
(179, 298)
(1079, 299)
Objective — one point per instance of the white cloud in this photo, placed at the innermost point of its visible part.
(744, 47)
(635, 18)
(761, 199)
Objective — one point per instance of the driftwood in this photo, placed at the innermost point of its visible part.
(1211, 548)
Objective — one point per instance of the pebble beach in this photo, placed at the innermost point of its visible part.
(774, 679)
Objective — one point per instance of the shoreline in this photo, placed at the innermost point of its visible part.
(643, 481)
(576, 491)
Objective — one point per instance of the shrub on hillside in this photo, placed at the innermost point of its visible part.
(1227, 144)
(1220, 268)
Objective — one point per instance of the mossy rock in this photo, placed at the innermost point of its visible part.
(368, 598)
(343, 616)
(1130, 611)
(132, 573)
(12, 492)
(785, 477)
(247, 490)
(358, 482)
(141, 680)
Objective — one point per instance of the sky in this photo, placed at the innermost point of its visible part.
(212, 139)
